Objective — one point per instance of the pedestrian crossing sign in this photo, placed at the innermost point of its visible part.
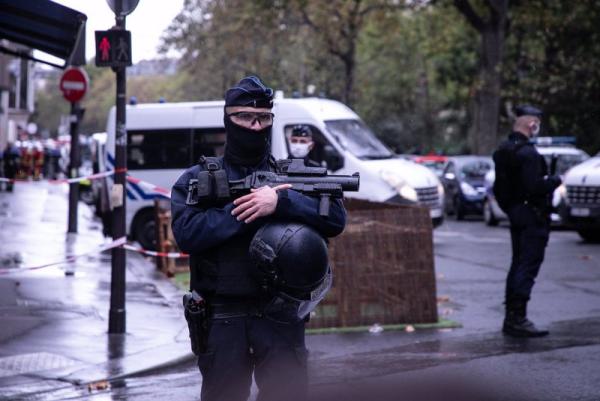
(113, 48)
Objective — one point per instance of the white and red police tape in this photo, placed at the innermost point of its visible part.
(171, 255)
(70, 258)
(147, 185)
(121, 242)
(64, 180)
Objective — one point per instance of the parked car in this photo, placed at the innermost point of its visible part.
(463, 181)
(567, 155)
(435, 163)
(582, 201)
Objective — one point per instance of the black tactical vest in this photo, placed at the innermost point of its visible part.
(226, 270)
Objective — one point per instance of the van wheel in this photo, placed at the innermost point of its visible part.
(144, 229)
(488, 214)
(592, 236)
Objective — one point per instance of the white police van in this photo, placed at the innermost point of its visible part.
(582, 206)
(163, 139)
(567, 156)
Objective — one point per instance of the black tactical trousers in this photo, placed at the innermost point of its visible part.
(238, 347)
(529, 233)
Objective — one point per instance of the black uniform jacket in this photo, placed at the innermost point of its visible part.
(533, 184)
(214, 236)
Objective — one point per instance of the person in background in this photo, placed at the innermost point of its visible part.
(11, 164)
(523, 189)
(301, 143)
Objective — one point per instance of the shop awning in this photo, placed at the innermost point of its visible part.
(46, 26)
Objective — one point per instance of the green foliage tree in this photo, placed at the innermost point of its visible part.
(552, 62)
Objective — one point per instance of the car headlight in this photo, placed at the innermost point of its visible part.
(467, 189)
(440, 189)
(398, 183)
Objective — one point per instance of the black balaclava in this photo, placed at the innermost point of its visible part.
(245, 146)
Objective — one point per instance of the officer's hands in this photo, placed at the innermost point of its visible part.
(555, 181)
(261, 202)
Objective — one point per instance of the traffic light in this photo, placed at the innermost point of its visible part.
(113, 48)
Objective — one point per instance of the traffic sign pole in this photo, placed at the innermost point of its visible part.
(116, 316)
(74, 164)
(73, 84)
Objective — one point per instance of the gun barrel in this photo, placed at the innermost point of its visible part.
(347, 182)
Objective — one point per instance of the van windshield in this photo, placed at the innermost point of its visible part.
(358, 139)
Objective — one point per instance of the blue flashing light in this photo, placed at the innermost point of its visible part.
(553, 140)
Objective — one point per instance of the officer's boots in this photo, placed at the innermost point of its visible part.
(516, 323)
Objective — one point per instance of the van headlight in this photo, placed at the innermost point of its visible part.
(440, 189)
(400, 185)
(560, 195)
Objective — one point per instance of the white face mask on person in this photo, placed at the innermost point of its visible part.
(535, 129)
(299, 150)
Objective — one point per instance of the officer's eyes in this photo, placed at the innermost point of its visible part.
(263, 118)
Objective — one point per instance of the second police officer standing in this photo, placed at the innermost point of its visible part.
(523, 188)
(240, 341)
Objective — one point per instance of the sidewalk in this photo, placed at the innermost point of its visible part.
(54, 325)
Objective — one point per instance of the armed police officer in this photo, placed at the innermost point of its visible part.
(523, 189)
(238, 338)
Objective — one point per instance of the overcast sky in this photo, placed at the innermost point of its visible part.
(146, 23)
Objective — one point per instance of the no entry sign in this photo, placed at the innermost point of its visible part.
(74, 84)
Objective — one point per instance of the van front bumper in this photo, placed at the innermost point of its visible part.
(581, 216)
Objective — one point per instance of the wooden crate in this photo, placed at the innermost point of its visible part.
(383, 268)
(166, 242)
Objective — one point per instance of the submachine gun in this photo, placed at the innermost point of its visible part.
(313, 181)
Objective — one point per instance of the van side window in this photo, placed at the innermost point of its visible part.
(159, 149)
(208, 142)
(317, 154)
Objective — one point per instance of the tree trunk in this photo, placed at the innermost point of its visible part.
(349, 84)
(486, 99)
(487, 95)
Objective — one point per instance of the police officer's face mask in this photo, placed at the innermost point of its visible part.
(534, 129)
(299, 150)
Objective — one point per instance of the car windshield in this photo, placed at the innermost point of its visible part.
(566, 161)
(475, 169)
(356, 137)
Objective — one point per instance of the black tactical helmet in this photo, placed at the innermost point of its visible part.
(292, 259)
(292, 256)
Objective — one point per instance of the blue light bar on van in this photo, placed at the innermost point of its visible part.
(553, 140)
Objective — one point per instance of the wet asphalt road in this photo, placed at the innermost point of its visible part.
(474, 362)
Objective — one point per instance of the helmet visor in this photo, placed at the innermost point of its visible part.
(286, 308)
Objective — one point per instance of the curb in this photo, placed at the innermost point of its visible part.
(440, 324)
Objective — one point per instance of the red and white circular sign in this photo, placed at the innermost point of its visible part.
(74, 84)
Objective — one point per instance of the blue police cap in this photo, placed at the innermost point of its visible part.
(301, 130)
(527, 110)
(250, 91)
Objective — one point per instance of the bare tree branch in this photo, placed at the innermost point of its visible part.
(465, 7)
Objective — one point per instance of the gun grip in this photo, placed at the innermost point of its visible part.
(324, 203)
